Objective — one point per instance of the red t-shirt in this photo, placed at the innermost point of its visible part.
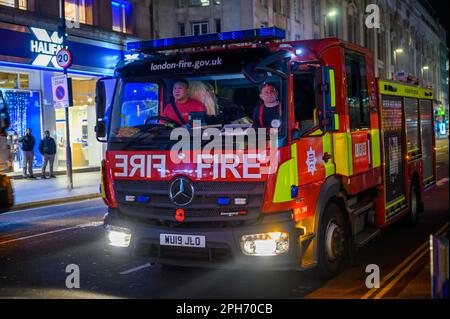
(184, 108)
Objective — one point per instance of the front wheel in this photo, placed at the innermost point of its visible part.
(332, 242)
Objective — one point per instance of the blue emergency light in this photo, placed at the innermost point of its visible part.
(263, 34)
(222, 201)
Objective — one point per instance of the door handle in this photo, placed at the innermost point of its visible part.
(326, 157)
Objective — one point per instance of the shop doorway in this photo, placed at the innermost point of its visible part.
(86, 151)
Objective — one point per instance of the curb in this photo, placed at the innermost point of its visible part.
(37, 173)
(55, 201)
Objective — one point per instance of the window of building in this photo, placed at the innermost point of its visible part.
(297, 10)
(315, 11)
(181, 3)
(351, 29)
(283, 7)
(263, 3)
(357, 94)
(14, 80)
(19, 4)
(298, 37)
(264, 24)
(78, 11)
(218, 25)
(276, 6)
(198, 3)
(199, 28)
(120, 12)
(181, 29)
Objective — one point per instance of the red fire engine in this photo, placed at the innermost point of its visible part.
(353, 154)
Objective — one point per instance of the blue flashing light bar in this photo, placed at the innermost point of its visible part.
(272, 33)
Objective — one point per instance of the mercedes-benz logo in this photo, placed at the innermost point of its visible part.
(181, 191)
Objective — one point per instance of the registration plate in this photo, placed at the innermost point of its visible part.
(182, 240)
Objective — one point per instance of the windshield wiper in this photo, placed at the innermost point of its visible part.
(140, 137)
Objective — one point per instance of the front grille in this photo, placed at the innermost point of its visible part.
(212, 254)
(203, 206)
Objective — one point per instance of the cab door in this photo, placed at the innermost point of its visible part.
(358, 111)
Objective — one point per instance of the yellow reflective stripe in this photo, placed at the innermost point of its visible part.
(376, 147)
(342, 145)
(336, 122)
(332, 88)
(316, 132)
(102, 186)
(405, 90)
(286, 177)
(398, 201)
(328, 148)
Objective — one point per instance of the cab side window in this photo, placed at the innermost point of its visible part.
(304, 102)
(357, 94)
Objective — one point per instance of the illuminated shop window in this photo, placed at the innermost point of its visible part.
(20, 4)
(14, 80)
(120, 12)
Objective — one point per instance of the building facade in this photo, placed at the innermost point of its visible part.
(97, 32)
(405, 38)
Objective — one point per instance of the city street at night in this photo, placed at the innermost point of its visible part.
(193, 152)
(37, 244)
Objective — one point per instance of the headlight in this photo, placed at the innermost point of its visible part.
(265, 244)
(118, 236)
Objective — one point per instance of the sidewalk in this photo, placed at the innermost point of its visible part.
(30, 193)
(37, 172)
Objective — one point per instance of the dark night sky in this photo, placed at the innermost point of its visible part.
(440, 8)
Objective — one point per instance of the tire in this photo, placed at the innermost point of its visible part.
(414, 205)
(332, 242)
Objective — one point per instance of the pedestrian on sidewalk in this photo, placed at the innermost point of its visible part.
(28, 143)
(47, 147)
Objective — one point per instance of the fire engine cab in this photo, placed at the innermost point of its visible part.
(349, 154)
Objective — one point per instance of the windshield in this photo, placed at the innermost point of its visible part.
(217, 101)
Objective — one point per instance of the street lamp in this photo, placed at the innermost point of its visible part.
(424, 68)
(396, 51)
(330, 14)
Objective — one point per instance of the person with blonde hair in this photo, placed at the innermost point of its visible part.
(204, 93)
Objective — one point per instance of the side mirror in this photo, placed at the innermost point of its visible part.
(100, 109)
(100, 129)
(326, 99)
(100, 99)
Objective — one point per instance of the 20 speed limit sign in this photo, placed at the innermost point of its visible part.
(64, 58)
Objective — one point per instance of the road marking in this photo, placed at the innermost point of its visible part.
(52, 206)
(129, 271)
(28, 219)
(92, 224)
(403, 264)
(386, 289)
(442, 181)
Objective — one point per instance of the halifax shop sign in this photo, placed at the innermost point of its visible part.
(37, 48)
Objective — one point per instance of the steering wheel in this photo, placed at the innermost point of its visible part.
(167, 119)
